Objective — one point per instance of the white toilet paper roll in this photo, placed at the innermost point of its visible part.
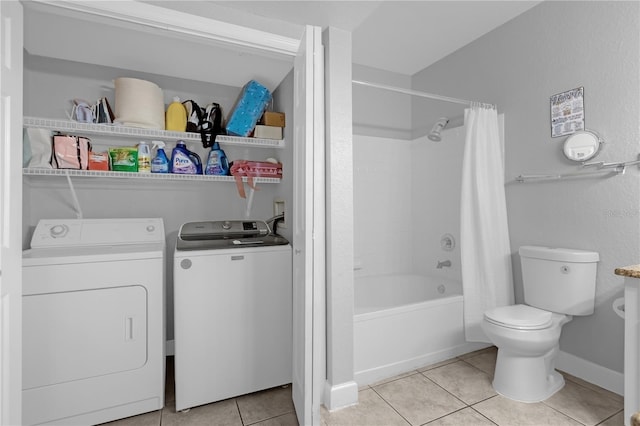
(139, 103)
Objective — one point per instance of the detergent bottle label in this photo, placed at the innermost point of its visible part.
(182, 164)
(144, 165)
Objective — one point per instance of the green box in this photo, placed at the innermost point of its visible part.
(124, 159)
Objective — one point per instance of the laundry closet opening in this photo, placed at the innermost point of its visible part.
(191, 61)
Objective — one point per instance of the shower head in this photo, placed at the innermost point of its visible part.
(434, 134)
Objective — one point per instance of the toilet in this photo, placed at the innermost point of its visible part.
(558, 284)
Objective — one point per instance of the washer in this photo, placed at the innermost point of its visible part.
(93, 320)
(232, 311)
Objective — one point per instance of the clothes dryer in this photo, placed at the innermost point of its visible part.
(93, 320)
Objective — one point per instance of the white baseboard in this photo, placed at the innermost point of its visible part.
(593, 373)
(340, 396)
(170, 348)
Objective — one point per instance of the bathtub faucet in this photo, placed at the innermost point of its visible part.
(446, 263)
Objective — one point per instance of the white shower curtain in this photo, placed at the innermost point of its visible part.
(484, 236)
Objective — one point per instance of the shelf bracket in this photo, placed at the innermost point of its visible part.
(247, 212)
(76, 203)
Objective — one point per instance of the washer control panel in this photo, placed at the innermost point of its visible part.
(85, 232)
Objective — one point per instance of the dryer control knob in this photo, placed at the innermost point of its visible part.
(226, 225)
(58, 231)
(151, 228)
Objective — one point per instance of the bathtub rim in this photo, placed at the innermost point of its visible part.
(398, 310)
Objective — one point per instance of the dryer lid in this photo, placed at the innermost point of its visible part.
(521, 317)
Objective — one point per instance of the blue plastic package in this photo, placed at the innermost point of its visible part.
(252, 103)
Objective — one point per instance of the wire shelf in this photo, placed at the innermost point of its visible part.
(135, 132)
(131, 175)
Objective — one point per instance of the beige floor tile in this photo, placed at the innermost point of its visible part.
(437, 364)
(464, 381)
(506, 412)
(485, 361)
(465, 417)
(371, 410)
(363, 387)
(585, 405)
(222, 413)
(264, 405)
(288, 419)
(478, 352)
(603, 392)
(616, 420)
(169, 395)
(147, 419)
(391, 379)
(418, 399)
(396, 377)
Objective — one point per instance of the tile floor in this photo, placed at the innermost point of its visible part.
(455, 392)
(458, 392)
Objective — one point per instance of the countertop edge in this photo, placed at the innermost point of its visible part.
(629, 271)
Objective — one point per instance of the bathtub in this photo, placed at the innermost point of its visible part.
(403, 322)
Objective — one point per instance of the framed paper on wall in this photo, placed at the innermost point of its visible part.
(567, 112)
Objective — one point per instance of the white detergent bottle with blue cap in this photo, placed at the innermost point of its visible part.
(160, 163)
(184, 161)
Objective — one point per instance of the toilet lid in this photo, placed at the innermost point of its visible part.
(520, 317)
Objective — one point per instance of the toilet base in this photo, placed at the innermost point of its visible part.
(527, 378)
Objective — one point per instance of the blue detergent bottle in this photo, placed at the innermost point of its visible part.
(217, 163)
(160, 163)
(184, 161)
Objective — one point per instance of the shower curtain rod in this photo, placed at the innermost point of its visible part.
(417, 93)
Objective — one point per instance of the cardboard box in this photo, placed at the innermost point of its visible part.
(124, 159)
(99, 161)
(267, 132)
(270, 118)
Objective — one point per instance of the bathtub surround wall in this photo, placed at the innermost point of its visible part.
(383, 188)
(554, 47)
(406, 197)
(435, 203)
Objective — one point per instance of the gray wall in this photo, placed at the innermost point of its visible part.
(551, 48)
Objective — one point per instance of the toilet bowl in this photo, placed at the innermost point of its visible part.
(558, 283)
(527, 340)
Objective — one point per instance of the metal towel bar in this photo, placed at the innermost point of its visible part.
(602, 168)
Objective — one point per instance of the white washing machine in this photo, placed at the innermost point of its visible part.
(93, 321)
(232, 311)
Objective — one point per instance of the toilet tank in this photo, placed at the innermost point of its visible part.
(559, 280)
